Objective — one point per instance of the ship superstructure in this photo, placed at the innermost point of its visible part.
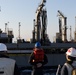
(6, 37)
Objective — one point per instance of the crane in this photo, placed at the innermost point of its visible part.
(62, 26)
(38, 22)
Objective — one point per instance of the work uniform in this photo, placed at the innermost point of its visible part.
(68, 68)
(37, 70)
(8, 66)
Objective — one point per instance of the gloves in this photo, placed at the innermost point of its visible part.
(39, 65)
(33, 60)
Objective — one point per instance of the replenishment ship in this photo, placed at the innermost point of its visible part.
(20, 51)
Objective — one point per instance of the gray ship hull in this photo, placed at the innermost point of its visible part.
(53, 59)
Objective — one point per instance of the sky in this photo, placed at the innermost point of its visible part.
(23, 11)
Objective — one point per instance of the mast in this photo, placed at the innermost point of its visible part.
(19, 30)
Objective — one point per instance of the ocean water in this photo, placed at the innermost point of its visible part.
(46, 72)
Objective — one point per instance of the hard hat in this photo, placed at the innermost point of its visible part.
(71, 52)
(38, 45)
(3, 47)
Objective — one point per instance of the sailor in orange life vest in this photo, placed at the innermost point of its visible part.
(69, 68)
(38, 59)
(8, 66)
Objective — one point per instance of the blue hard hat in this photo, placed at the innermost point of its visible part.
(38, 45)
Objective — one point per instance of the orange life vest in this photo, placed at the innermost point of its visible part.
(38, 55)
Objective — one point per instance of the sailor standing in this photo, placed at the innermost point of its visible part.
(69, 68)
(7, 66)
(38, 59)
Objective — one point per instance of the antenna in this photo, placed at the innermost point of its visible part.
(75, 23)
(70, 33)
(19, 30)
(5, 27)
(0, 8)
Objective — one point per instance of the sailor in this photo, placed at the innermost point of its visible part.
(69, 68)
(38, 59)
(7, 65)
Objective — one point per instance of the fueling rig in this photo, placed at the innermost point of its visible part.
(62, 35)
(40, 25)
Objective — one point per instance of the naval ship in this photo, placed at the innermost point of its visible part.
(55, 51)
